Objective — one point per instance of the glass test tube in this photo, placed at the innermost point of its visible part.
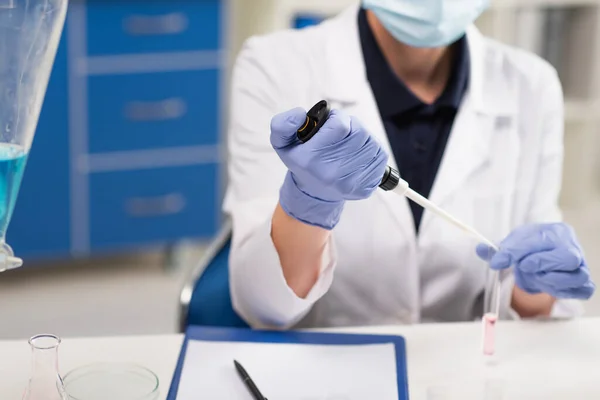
(491, 313)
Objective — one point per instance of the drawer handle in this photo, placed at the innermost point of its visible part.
(156, 111)
(145, 207)
(147, 25)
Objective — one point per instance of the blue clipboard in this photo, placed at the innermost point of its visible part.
(248, 335)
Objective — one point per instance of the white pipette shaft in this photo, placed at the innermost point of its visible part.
(428, 205)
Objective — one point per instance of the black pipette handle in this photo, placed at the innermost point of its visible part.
(316, 117)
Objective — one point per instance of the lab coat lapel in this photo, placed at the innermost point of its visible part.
(470, 143)
(346, 86)
(467, 149)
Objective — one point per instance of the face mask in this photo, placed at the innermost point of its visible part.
(426, 23)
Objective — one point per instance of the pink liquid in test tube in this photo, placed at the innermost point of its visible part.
(489, 338)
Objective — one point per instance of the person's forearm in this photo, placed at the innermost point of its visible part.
(300, 247)
(531, 305)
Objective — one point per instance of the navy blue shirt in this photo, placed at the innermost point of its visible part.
(417, 132)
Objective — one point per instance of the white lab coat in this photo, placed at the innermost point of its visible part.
(501, 169)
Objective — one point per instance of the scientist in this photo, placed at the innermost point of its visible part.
(475, 125)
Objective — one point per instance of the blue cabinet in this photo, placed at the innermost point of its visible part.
(152, 26)
(306, 20)
(149, 206)
(153, 110)
(126, 153)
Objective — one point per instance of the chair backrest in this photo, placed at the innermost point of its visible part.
(210, 302)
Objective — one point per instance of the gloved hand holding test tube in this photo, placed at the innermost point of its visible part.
(391, 181)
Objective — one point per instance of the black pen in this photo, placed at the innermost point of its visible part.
(248, 381)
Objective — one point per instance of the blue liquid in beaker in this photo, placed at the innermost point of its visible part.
(13, 159)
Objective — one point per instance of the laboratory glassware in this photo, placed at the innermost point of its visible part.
(45, 382)
(391, 181)
(115, 381)
(30, 31)
(491, 312)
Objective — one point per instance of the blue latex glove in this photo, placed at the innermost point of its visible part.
(341, 162)
(546, 258)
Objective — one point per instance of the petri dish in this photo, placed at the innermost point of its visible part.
(111, 381)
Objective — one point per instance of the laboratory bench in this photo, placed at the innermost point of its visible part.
(128, 151)
(550, 360)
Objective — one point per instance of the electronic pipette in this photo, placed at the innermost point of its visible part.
(391, 181)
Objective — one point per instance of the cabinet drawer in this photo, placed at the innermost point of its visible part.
(168, 109)
(153, 206)
(133, 26)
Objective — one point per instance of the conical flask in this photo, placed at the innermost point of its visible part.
(30, 31)
(45, 382)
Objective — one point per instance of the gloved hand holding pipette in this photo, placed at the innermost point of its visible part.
(342, 163)
(546, 258)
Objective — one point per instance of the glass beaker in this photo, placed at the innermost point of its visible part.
(30, 31)
(45, 382)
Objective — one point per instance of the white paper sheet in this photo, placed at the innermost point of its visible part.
(289, 371)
